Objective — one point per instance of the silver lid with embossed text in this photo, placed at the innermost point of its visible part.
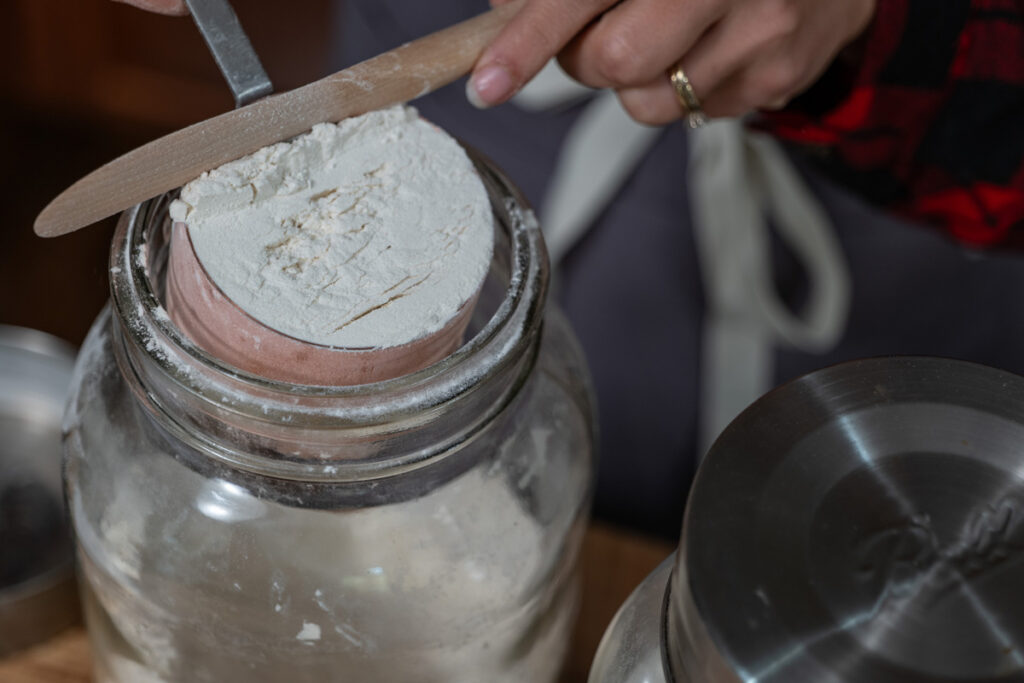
(862, 523)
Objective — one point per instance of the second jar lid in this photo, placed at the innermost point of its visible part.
(863, 523)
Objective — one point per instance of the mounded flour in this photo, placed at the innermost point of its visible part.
(369, 233)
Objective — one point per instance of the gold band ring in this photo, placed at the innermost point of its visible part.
(688, 99)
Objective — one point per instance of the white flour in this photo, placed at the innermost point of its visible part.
(439, 588)
(371, 233)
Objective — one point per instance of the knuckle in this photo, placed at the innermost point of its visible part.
(618, 61)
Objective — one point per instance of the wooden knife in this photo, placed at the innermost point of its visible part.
(403, 74)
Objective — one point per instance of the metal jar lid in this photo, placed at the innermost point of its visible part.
(864, 523)
(37, 590)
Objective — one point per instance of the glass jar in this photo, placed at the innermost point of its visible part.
(862, 524)
(425, 528)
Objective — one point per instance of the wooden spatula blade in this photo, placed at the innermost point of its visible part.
(403, 74)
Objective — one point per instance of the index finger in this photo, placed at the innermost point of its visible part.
(536, 34)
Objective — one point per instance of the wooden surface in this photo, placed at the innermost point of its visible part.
(614, 563)
(399, 75)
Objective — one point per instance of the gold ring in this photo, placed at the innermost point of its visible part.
(695, 115)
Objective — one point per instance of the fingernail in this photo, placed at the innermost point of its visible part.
(489, 86)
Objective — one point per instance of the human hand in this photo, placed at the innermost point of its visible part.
(176, 7)
(739, 55)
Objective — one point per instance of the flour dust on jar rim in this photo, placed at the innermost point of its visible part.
(232, 527)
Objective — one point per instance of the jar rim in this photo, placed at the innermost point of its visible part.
(153, 340)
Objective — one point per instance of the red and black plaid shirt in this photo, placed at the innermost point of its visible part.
(925, 115)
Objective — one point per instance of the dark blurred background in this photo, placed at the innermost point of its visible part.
(85, 81)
